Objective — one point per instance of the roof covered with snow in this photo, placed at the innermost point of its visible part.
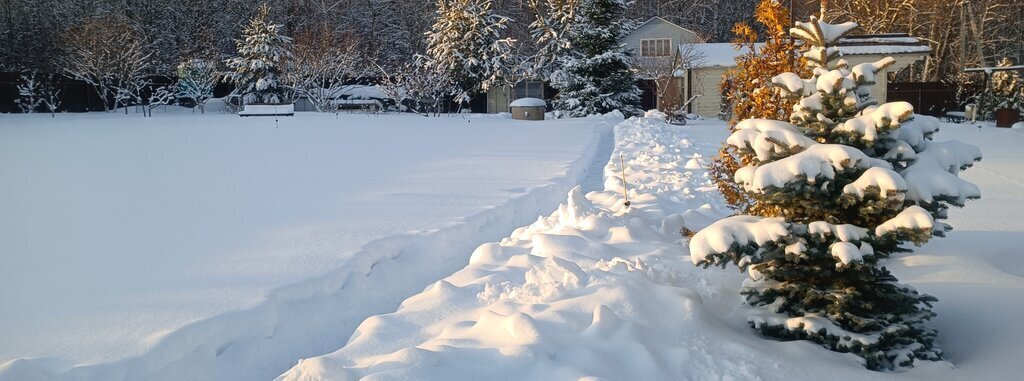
(724, 54)
(719, 54)
(885, 44)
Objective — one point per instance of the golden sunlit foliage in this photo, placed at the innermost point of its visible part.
(748, 88)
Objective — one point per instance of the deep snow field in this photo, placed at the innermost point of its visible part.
(598, 291)
(221, 249)
(216, 247)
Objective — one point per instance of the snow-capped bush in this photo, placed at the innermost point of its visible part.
(853, 182)
(1007, 89)
(196, 80)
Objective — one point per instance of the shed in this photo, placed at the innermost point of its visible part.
(702, 82)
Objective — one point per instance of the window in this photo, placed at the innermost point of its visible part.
(528, 89)
(660, 47)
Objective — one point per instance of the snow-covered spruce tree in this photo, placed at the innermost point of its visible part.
(854, 182)
(466, 44)
(262, 50)
(596, 76)
(552, 21)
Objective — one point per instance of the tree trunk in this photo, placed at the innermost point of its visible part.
(976, 29)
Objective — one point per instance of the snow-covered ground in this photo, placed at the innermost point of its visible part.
(977, 271)
(599, 291)
(217, 247)
(265, 245)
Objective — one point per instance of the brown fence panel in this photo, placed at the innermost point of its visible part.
(928, 98)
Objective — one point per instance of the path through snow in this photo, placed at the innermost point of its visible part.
(223, 248)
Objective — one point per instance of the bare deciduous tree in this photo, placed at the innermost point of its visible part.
(667, 72)
(416, 87)
(109, 54)
(322, 67)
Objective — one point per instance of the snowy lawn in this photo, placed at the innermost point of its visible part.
(977, 271)
(217, 247)
(600, 291)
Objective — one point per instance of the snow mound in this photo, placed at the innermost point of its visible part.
(933, 175)
(584, 292)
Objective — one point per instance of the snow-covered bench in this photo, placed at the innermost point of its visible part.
(359, 104)
(955, 116)
(268, 110)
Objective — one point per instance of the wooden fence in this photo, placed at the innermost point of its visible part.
(928, 98)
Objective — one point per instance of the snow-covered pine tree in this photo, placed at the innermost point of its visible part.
(552, 21)
(257, 70)
(596, 77)
(466, 44)
(854, 182)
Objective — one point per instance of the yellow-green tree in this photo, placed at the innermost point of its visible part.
(748, 89)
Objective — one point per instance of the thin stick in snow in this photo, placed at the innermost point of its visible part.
(625, 191)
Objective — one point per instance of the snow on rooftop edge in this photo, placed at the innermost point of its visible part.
(723, 54)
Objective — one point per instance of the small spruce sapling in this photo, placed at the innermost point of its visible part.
(29, 90)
